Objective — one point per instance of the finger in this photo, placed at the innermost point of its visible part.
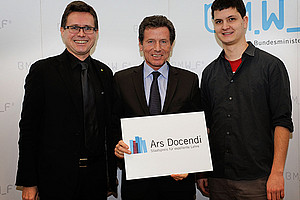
(123, 144)
(180, 175)
(269, 196)
(183, 175)
(120, 153)
(123, 150)
(120, 150)
(176, 177)
(273, 196)
(282, 194)
(277, 195)
(205, 192)
(25, 196)
(204, 188)
(122, 147)
(206, 183)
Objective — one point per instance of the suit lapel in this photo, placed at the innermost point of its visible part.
(138, 83)
(172, 85)
(64, 71)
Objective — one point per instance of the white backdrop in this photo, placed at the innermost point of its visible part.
(29, 30)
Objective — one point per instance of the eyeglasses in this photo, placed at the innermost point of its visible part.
(76, 29)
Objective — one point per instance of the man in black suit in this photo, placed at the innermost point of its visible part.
(65, 149)
(178, 92)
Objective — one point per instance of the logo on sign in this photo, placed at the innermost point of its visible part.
(138, 145)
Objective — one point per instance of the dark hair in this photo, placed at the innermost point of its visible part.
(224, 4)
(78, 6)
(156, 21)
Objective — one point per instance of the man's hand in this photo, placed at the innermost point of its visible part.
(30, 193)
(275, 183)
(202, 185)
(275, 187)
(179, 177)
(121, 148)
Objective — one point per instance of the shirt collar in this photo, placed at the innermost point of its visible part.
(164, 70)
(249, 51)
(74, 61)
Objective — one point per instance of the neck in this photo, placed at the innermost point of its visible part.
(235, 52)
(80, 57)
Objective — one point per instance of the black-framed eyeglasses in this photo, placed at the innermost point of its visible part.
(76, 29)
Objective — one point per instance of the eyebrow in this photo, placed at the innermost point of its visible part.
(230, 16)
(80, 25)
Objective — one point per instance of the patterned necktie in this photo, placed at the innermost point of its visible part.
(89, 110)
(154, 100)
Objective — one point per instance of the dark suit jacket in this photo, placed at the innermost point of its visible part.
(182, 95)
(51, 126)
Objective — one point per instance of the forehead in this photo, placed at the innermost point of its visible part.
(225, 13)
(160, 32)
(80, 18)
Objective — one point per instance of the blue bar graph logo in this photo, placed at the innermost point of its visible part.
(138, 145)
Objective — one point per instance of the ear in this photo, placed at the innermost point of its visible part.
(62, 30)
(171, 50)
(173, 44)
(97, 34)
(245, 19)
(140, 46)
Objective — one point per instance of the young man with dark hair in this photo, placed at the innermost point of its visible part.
(246, 98)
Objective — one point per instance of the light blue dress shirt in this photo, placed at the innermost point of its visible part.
(162, 81)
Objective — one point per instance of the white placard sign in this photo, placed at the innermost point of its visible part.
(166, 144)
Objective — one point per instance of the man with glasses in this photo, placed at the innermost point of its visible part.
(65, 148)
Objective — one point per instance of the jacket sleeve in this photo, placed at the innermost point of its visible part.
(30, 123)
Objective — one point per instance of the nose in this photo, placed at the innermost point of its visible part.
(81, 33)
(225, 25)
(157, 46)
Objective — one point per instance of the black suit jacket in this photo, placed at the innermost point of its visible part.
(51, 126)
(182, 95)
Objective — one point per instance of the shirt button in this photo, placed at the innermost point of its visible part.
(227, 133)
(230, 98)
(229, 115)
(231, 81)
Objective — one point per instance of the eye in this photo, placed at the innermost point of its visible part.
(164, 42)
(218, 21)
(74, 27)
(231, 19)
(87, 28)
(150, 41)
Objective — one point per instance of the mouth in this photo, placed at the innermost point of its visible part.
(157, 55)
(80, 41)
(227, 33)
